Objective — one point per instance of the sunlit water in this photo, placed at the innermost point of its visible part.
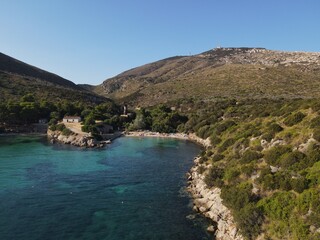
(132, 189)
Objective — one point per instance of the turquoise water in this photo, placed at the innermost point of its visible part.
(132, 189)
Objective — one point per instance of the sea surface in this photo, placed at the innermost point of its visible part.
(132, 189)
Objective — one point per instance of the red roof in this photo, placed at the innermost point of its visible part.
(72, 117)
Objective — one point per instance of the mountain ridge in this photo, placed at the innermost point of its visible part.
(18, 78)
(242, 70)
(11, 65)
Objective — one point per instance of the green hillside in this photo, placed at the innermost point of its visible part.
(219, 73)
(265, 157)
(260, 109)
(18, 79)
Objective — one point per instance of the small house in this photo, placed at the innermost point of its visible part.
(72, 119)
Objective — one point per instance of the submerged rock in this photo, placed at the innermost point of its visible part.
(191, 216)
(211, 229)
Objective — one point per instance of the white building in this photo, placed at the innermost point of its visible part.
(72, 119)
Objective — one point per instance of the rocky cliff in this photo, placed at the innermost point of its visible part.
(209, 203)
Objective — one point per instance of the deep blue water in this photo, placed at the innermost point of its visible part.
(132, 189)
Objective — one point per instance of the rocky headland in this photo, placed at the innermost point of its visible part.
(79, 140)
(73, 139)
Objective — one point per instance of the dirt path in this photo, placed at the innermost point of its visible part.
(76, 128)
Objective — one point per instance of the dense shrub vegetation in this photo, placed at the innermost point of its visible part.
(265, 157)
(265, 154)
(29, 110)
(158, 119)
(294, 119)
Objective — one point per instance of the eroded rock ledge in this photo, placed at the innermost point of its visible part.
(75, 139)
(209, 203)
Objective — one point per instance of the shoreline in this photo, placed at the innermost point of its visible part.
(156, 135)
(23, 134)
(79, 140)
(206, 201)
(181, 136)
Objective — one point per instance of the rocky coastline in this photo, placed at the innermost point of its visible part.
(79, 140)
(206, 201)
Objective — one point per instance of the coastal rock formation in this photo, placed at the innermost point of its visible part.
(74, 139)
(209, 203)
(204, 142)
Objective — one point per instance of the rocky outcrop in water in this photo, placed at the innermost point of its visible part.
(75, 139)
(209, 203)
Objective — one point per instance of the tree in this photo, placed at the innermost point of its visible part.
(294, 119)
(249, 220)
(214, 177)
(107, 108)
(89, 120)
(273, 155)
(28, 98)
(279, 206)
(291, 159)
(249, 156)
(46, 108)
(13, 112)
(55, 115)
(3, 113)
(139, 122)
(236, 197)
(29, 112)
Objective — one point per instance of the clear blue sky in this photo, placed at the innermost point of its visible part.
(88, 41)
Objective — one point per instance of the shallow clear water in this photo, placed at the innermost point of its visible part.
(132, 189)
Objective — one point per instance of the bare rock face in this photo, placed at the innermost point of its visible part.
(205, 143)
(274, 142)
(208, 202)
(261, 56)
(304, 146)
(74, 139)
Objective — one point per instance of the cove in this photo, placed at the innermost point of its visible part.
(132, 189)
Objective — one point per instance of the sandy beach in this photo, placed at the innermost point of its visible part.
(157, 134)
(181, 136)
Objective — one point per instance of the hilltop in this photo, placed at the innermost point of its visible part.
(219, 73)
(18, 79)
